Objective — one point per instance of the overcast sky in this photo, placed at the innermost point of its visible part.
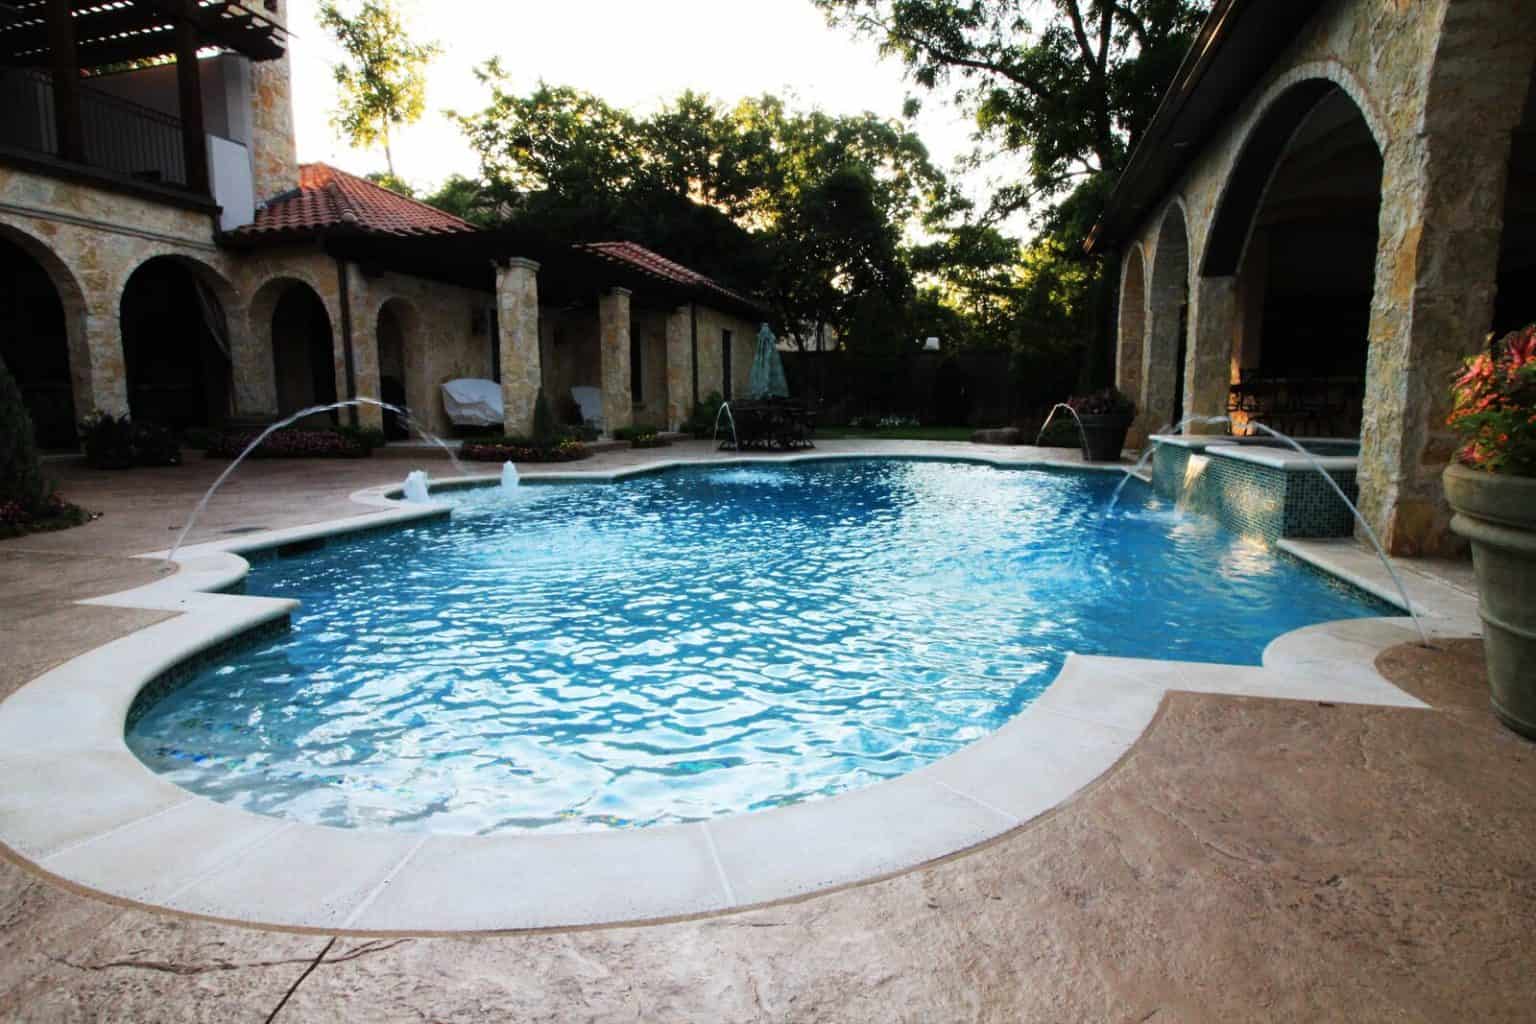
(633, 53)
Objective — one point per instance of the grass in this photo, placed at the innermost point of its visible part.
(896, 433)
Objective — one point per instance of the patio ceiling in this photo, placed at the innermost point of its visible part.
(112, 32)
(1234, 49)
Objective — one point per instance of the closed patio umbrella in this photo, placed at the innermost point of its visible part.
(767, 380)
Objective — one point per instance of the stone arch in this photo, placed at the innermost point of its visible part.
(1131, 333)
(1281, 113)
(46, 347)
(173, 318)
(1166, 349)
(290, 311)
(397, 334)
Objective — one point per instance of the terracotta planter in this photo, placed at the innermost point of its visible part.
(1498, 515)
(1104, 436)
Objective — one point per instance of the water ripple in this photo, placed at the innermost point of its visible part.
(699, 642)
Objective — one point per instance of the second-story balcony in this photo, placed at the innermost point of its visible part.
(117, 135)
(116, 91)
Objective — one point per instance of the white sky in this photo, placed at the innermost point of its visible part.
(632, 53)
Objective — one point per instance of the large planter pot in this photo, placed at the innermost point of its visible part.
(1104, 437)
(1498, 515)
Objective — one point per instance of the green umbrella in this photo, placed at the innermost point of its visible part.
(767, 380)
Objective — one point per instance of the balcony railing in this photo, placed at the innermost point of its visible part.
(119, 135)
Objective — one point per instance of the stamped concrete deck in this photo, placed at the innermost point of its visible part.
(1247, 860)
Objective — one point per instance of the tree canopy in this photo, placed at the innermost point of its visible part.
(812, 207)
(381, 82)
(1071, 84)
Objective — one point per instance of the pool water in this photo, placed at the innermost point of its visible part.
(700, 642)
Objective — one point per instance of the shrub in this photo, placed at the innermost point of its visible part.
(21, 472)
(1062, 433)
(369, 437)
(1109, 402)
(648, 439)
(290, 444)
(544, 433)
(107, 440)
(116, 442)
(1495, 406)
(570, 411)
(198, 438)
(27, 501)
(155, 446)
(633, 433)
(702, 423)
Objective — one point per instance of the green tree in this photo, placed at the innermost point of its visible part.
(382, 80)
(21, 473)
(1071, 83)
(813, 207)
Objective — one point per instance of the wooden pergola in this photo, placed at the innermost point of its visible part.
(74, 38)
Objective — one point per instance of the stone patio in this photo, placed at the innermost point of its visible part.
(1248, 859)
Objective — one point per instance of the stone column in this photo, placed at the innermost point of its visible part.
(253, 368)
(1436, 264)
(679, 367)
(274, 156)
(1208, 368)
(613, 353)
(101, 379)
(517, 318)
(1131, 338)
(363, 332)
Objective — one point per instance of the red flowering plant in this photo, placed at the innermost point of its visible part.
(1495, 406)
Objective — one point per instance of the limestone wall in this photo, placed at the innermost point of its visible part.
(274, 156)
(1441, 84)
(440, 342)
(712, 325)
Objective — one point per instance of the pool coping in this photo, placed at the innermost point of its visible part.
(80, 807)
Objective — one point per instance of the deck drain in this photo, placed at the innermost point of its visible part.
(246, 529)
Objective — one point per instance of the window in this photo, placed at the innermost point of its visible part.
(725, 364)
(636, 365)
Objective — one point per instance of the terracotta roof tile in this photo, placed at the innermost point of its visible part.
(659, 266)
(330, 198)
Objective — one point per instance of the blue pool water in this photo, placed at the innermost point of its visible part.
(700, 642)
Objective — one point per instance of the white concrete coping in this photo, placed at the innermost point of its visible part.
(1287, 459)
(81, 807)
(1206, 440)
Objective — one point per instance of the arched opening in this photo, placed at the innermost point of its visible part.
(303, 363)
(175, 346)
(1298, 228)
(1515, 304)
(1132, 328)
(1168, 327)
(35, 345)
(394, 318)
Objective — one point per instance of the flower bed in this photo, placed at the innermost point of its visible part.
(290, 444)
(55, 514)
(517, 450)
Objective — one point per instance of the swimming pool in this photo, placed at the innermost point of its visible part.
(699, 642)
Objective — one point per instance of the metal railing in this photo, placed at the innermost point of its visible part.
(119, 135)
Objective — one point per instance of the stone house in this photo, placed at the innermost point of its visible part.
(1335, 204)
(163, 254)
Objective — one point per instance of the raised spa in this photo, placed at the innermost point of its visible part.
(698, 642)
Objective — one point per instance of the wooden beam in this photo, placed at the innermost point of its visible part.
(190, 92)
(66, 82)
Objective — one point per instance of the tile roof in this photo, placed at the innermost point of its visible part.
(643, 259)
(329, 198)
